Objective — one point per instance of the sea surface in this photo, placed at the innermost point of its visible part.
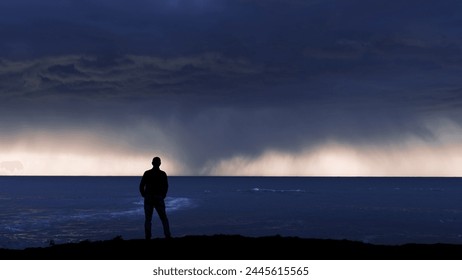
(44, 210)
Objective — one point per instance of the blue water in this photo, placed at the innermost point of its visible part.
(35, 211)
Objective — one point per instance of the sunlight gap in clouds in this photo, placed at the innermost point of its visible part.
(76, 153)
(330, 159)
(440, 155)
(82, 164)
(335, 159)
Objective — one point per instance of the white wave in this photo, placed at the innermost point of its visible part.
(127, 212)
(179, 203)
(173, 203)
(12, 229)
(139, 202)
(275, 190)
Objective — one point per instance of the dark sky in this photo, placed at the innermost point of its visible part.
(239, 87)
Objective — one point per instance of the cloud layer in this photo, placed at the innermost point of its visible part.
(232, 87)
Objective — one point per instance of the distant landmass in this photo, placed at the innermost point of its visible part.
(234, 247)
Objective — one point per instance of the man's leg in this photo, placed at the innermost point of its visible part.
(160, 208)
(148, 210)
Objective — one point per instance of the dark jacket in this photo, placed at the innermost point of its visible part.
(154, 183)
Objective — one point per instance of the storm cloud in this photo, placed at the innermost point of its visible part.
(232, 87)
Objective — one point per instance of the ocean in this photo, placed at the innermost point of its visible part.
(37, 211)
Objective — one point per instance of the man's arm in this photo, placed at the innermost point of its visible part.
(142, 184)
(165, 183)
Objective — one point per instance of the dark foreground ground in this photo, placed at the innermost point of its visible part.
(234, 247)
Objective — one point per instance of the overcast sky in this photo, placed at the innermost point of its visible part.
(231, 87)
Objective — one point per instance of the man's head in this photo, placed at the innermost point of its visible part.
(156, 161)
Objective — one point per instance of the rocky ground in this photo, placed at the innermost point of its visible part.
(233, 247)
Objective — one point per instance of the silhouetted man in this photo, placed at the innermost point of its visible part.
(154, 187)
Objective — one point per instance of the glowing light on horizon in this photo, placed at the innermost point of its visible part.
(439, 155)
(327, 160)
(343, 160)
(80, 164)
(331, 159)
(69, 153)
(73, 153)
